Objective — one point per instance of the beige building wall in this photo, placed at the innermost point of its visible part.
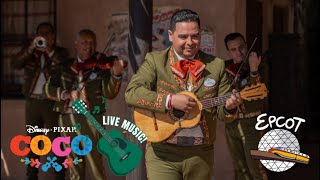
(220, 16)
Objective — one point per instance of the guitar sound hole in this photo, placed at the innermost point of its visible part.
(121, 143)
(118, 142)
(114, 143)
(178, 113)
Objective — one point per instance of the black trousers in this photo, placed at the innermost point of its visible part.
(40, 113)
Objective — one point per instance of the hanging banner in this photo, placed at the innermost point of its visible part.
(208, 42)
(160, 26)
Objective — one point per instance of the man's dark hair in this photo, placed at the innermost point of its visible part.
(46, 24)
(183, 15)
(232, 36)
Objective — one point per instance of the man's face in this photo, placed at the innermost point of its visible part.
(85, 46)
(237, 49)
(185, 39)
(47, 34)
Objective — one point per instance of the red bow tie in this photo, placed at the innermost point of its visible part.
(77, 67)
(194, 67)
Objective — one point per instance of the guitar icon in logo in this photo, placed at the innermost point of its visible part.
(123, 156)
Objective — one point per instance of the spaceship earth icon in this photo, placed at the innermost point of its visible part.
(278, 138)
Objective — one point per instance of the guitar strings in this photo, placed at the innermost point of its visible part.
(101, 130)
(207, 103)
(104, 134)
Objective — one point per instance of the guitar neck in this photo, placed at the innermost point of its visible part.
(95, 123)
(212, 102)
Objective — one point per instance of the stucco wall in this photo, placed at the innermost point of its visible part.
(221, 16)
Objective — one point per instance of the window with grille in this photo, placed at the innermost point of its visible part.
(19, 20)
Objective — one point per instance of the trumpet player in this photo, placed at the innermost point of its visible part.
(39, 61)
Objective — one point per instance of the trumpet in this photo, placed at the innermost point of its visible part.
(40, 42)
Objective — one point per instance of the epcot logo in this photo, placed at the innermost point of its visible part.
(279, 149)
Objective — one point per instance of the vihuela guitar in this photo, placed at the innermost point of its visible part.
(159, 126)
(123, 156)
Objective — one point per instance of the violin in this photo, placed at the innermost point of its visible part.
(100, 61)
(234, 68)
(243, 67)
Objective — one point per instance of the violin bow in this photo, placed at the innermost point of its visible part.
(109, 42)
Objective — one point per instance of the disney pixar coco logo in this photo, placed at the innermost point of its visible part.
(48, 145)
(123, 156)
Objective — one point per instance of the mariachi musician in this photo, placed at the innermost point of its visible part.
(245, 69)
(90, 76)
(188, 152)
(40, 61)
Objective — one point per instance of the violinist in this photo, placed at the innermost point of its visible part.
(241, 134)
(90, 76)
